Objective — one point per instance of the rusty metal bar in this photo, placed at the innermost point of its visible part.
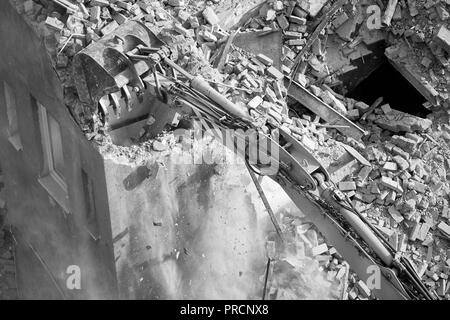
(266, 203)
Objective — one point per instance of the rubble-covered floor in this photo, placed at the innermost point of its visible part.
(404, 191)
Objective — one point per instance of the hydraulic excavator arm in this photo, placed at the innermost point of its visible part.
(134, 56)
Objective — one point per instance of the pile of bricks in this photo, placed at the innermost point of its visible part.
(68, 26)
(75, 24)
(252, 80)
(420, 42)
(312, 265)
(295, 19)
(404, 193)
(419, 25)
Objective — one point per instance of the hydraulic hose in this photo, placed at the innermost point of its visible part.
(357, 224)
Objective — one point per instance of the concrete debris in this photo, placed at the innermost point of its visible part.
(308, 261)
(347, 185)
(443, 36)
(397, 121)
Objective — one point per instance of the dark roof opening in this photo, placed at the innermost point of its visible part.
(387, 82)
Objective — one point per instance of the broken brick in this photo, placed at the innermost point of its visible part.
(391, 184)
(347, 185)
(444, 228)
(395, 214)
(283, 22)
(110, 27)
(210, 16)
(255, 102)
(297, 20)
(364, 173)
(401, 162)
(390, 166)
(274, 72)
(418, 186)
(443, 38)
(264, 59)
(319, 249)
(309, 143)
(415, 232)
(363, 288)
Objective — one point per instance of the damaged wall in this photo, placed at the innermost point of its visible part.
(43, 228)
(191, 230)
(176, 233)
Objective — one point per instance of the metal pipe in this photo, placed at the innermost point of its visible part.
(357, 224)
(203, 87)
(178, 68)
(266, 203)
(266, 279)
(369, 237)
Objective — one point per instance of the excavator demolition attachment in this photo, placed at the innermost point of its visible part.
(133, 60)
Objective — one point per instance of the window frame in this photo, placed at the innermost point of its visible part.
(50, 179)
(11, 106)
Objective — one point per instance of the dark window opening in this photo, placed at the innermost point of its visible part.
(387, 82)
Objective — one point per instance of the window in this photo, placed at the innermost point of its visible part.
(11, 112)
(91, 218)
(52, 177)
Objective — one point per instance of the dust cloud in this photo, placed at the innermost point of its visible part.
(219, 237)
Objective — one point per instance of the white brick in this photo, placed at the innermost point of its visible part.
(363, 289)
(390, 166)
(309, 143)
(319, 249)
(395, 214)
(274, 72)
(445, 228)
(264, 59)
(347, 185)
(210, 16)
(391, 184)
(255, 102)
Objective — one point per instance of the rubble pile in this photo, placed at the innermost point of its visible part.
(417, 35)
(404, 192)
(420, 42)
(305, 264)
(307, 55)
(297, 20)
(306, 267)
(67, 27)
